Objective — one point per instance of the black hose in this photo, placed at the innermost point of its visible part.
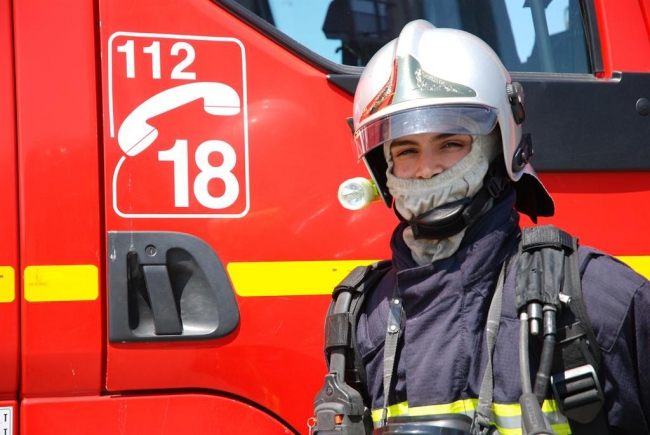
(532, 417)
(546, 360)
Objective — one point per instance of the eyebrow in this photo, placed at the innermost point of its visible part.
(402, 142)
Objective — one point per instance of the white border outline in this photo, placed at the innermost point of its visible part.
(112, 125)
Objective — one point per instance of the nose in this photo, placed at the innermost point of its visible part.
(428, 167)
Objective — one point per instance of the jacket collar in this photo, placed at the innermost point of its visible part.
(486, 243)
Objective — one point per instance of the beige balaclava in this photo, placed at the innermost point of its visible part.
(416, 196)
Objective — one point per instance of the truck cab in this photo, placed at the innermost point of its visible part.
(171, 233)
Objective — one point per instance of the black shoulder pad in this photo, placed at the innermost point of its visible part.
(341, 321)
(545, 236)
(361, 277)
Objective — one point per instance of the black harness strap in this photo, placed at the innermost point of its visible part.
(549, 276)
(340, 325)
(575, 382)
(339, 406)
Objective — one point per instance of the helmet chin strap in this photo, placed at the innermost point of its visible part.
(450, 219)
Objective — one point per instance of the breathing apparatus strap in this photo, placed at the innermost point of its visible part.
(575, 383)
(339, 406)
(482, 416)
(548, 281)
(395, 314)
(450, 219)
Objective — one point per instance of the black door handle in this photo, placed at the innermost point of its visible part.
(163, 305)
(167, 286)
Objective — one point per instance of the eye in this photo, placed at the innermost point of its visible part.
(403, 151)
(455, 143)
(407, 151)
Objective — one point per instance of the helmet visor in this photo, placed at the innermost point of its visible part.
(436, 119)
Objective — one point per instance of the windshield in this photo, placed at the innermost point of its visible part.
(528, 35)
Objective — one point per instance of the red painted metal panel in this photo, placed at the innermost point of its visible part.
(299, 151)
(59, 176)
(608, 211)
(299, 144)
(199, 414)
(625, 39)
(9, 307)
(291, 158)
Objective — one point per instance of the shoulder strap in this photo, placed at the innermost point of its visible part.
(339, 406)
(341, 325)
(575, 381)
(549, 282)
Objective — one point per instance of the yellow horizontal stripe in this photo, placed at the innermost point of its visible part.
(514, 409)
(467, 407)
(640, 263)
(296, 278)
(290, 278)
(61, 283)
(559, 429)
(7, 284)
(458, 407)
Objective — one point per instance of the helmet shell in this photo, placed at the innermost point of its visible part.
(431, 80)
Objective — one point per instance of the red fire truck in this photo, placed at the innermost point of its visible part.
(170, 231)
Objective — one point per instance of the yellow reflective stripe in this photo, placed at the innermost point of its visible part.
(7, 284)
(290, 278)
(510, 409)
(458, 407)
(296, 278)
(640, 263)
(506, 416)
(559, 429)
(392, 411)
(467, 406)
(61, 283)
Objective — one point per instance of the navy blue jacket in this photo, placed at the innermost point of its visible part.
(442, 352)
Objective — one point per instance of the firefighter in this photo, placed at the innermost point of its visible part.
(437, 120)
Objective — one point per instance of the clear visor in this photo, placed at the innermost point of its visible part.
(436, 119)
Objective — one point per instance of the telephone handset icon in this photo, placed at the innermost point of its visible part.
(135, 133)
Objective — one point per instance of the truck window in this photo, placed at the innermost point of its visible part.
(529, 35)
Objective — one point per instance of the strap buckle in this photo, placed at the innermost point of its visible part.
(495, 186)
(578, 393)
(480, 424)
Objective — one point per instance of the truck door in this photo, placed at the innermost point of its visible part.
(178, 167)
(222, 157)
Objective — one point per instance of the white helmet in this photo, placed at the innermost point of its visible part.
(431, 80)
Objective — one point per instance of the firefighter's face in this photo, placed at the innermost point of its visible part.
(428, 154)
